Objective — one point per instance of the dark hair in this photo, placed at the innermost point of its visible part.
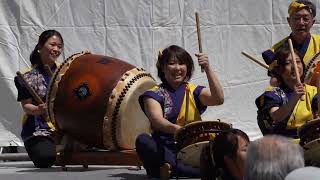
(43, 38)
(309, 6)
(225, 143)
(174, 51)
(281, 55)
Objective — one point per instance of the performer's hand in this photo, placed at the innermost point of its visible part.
(203, 60)
(177, 128)
(42, 109)
(299, 90)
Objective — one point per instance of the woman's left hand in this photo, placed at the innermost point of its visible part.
(203, 60)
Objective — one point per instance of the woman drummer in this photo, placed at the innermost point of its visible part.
(288, 106)
(36, 130)
(165, 106)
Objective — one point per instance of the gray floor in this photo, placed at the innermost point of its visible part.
(24, 170)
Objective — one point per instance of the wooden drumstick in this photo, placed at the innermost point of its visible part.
(48, 69)
(187, 105)
(31, 91)
(318, 92)
(199, 35)
(254, 59)
(294, 63)
(35, 96)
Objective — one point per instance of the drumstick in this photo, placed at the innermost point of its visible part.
(35, 96)
(294, 63)
(187, 105)
(199, 35)
(31, 91)
(48, 69)
(254, 59)
(318, 91)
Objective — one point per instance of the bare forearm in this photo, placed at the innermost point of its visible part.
(216, 89)
(32, 109)
(283, 111)
(165, 126)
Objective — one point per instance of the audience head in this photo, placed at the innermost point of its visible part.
(272, 158)
(227, 153)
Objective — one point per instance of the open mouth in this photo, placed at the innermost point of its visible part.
(301, 30)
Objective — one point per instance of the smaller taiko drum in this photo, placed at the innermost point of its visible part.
(193, 137)
(309, 135)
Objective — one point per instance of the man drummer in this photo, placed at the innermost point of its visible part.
(301, 18)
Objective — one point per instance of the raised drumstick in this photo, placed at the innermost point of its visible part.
(255, 60)
(199, 35)
(295, 64)
(294, 61)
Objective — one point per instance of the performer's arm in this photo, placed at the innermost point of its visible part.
(154, 112)
(278, 114)
(214, 94)
(32, 109)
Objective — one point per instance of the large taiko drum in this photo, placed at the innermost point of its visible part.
(192, 138)
(312, 69)
(309, 135)
(94, 99)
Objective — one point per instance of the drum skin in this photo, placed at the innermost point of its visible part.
(192, 138)
(79, 96)
(309, 135)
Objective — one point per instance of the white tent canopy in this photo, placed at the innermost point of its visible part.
(134, 31)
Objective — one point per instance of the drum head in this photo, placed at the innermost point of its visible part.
(190, 155)
(125, 119)
(309, 131)
(312, 151)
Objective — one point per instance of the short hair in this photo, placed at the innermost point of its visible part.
(225, 143)
(43, 38)
(281, 55)
(182, 56)
(272, 158)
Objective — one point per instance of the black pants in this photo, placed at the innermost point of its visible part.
(153, 155)
(41, 150)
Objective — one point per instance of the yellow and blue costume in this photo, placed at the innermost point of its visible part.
(278, 96)
(160, 148)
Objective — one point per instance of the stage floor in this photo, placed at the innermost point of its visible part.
(18, 170)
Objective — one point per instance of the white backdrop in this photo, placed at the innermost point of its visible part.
(134, 31)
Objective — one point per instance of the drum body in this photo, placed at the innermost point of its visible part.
(94, 99)
(312, 69)
(192, 138)
(309, 135)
